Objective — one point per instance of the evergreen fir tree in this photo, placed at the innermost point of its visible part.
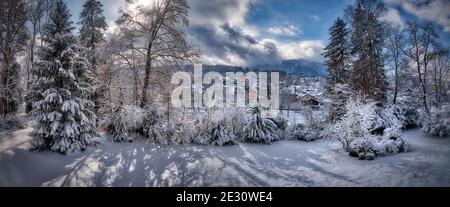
(93, 24)
(337, 54)
(64, 119)
(367, 77)
(91, 34)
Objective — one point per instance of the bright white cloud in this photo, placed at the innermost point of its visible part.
(310, 49)
(436, 10)
(393, 16)
(286, 30)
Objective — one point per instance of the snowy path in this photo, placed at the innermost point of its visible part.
(281, 164)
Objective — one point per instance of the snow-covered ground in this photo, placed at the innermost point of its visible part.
(286, 163)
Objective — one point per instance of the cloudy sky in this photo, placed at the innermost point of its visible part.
(251, 32)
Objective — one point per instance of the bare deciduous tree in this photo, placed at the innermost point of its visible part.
(162, 40)
(13, 37)
(395, 44)
(420, 41)
(440, 70)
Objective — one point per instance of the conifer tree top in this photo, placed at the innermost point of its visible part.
(93, 22)
(59, 22)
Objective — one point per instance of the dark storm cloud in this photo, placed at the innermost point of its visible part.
(228, 43)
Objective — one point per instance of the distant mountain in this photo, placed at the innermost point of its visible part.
(295, 67)
(298, 67)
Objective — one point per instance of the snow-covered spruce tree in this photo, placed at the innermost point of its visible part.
(367, 38)
(260, 129)
(93, 24)
(337, 54)
(64, 121)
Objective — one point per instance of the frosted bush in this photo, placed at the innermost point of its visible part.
(202, 138)
(407, 115)
(315, 124)
(122, 122)
(281, 122)
(382, 119)
(355, 123)
(362, 148)
(367, 131)
(259, 129)
(438, 123)
(237, 119)
(153, 125)
(282, 126)
(13, 122)
(301, 132)
(184, 132)
(222, 134)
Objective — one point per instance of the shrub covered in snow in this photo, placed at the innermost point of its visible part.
(237, 119)
(12, 121)
(438, 123)
(367, 131)
(367, 148)
(202, 138)
(182, 132)
(393, 142)
(213, 128)
(282, 126)
(354, 124)
(154, 127)
(122, 122)
(363, 148)
(407, 115)
(381, 119)
(222, 134)
(301, 132)
(260, 129)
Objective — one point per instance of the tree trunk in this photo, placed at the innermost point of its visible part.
(148, 66)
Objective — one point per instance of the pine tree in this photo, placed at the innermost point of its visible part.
(337, 54)
(64, 119)
(13, 37)
(367, 77)
(91, 34)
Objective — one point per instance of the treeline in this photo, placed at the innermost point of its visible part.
(384, 78)
(379, 61)
(70, 81)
